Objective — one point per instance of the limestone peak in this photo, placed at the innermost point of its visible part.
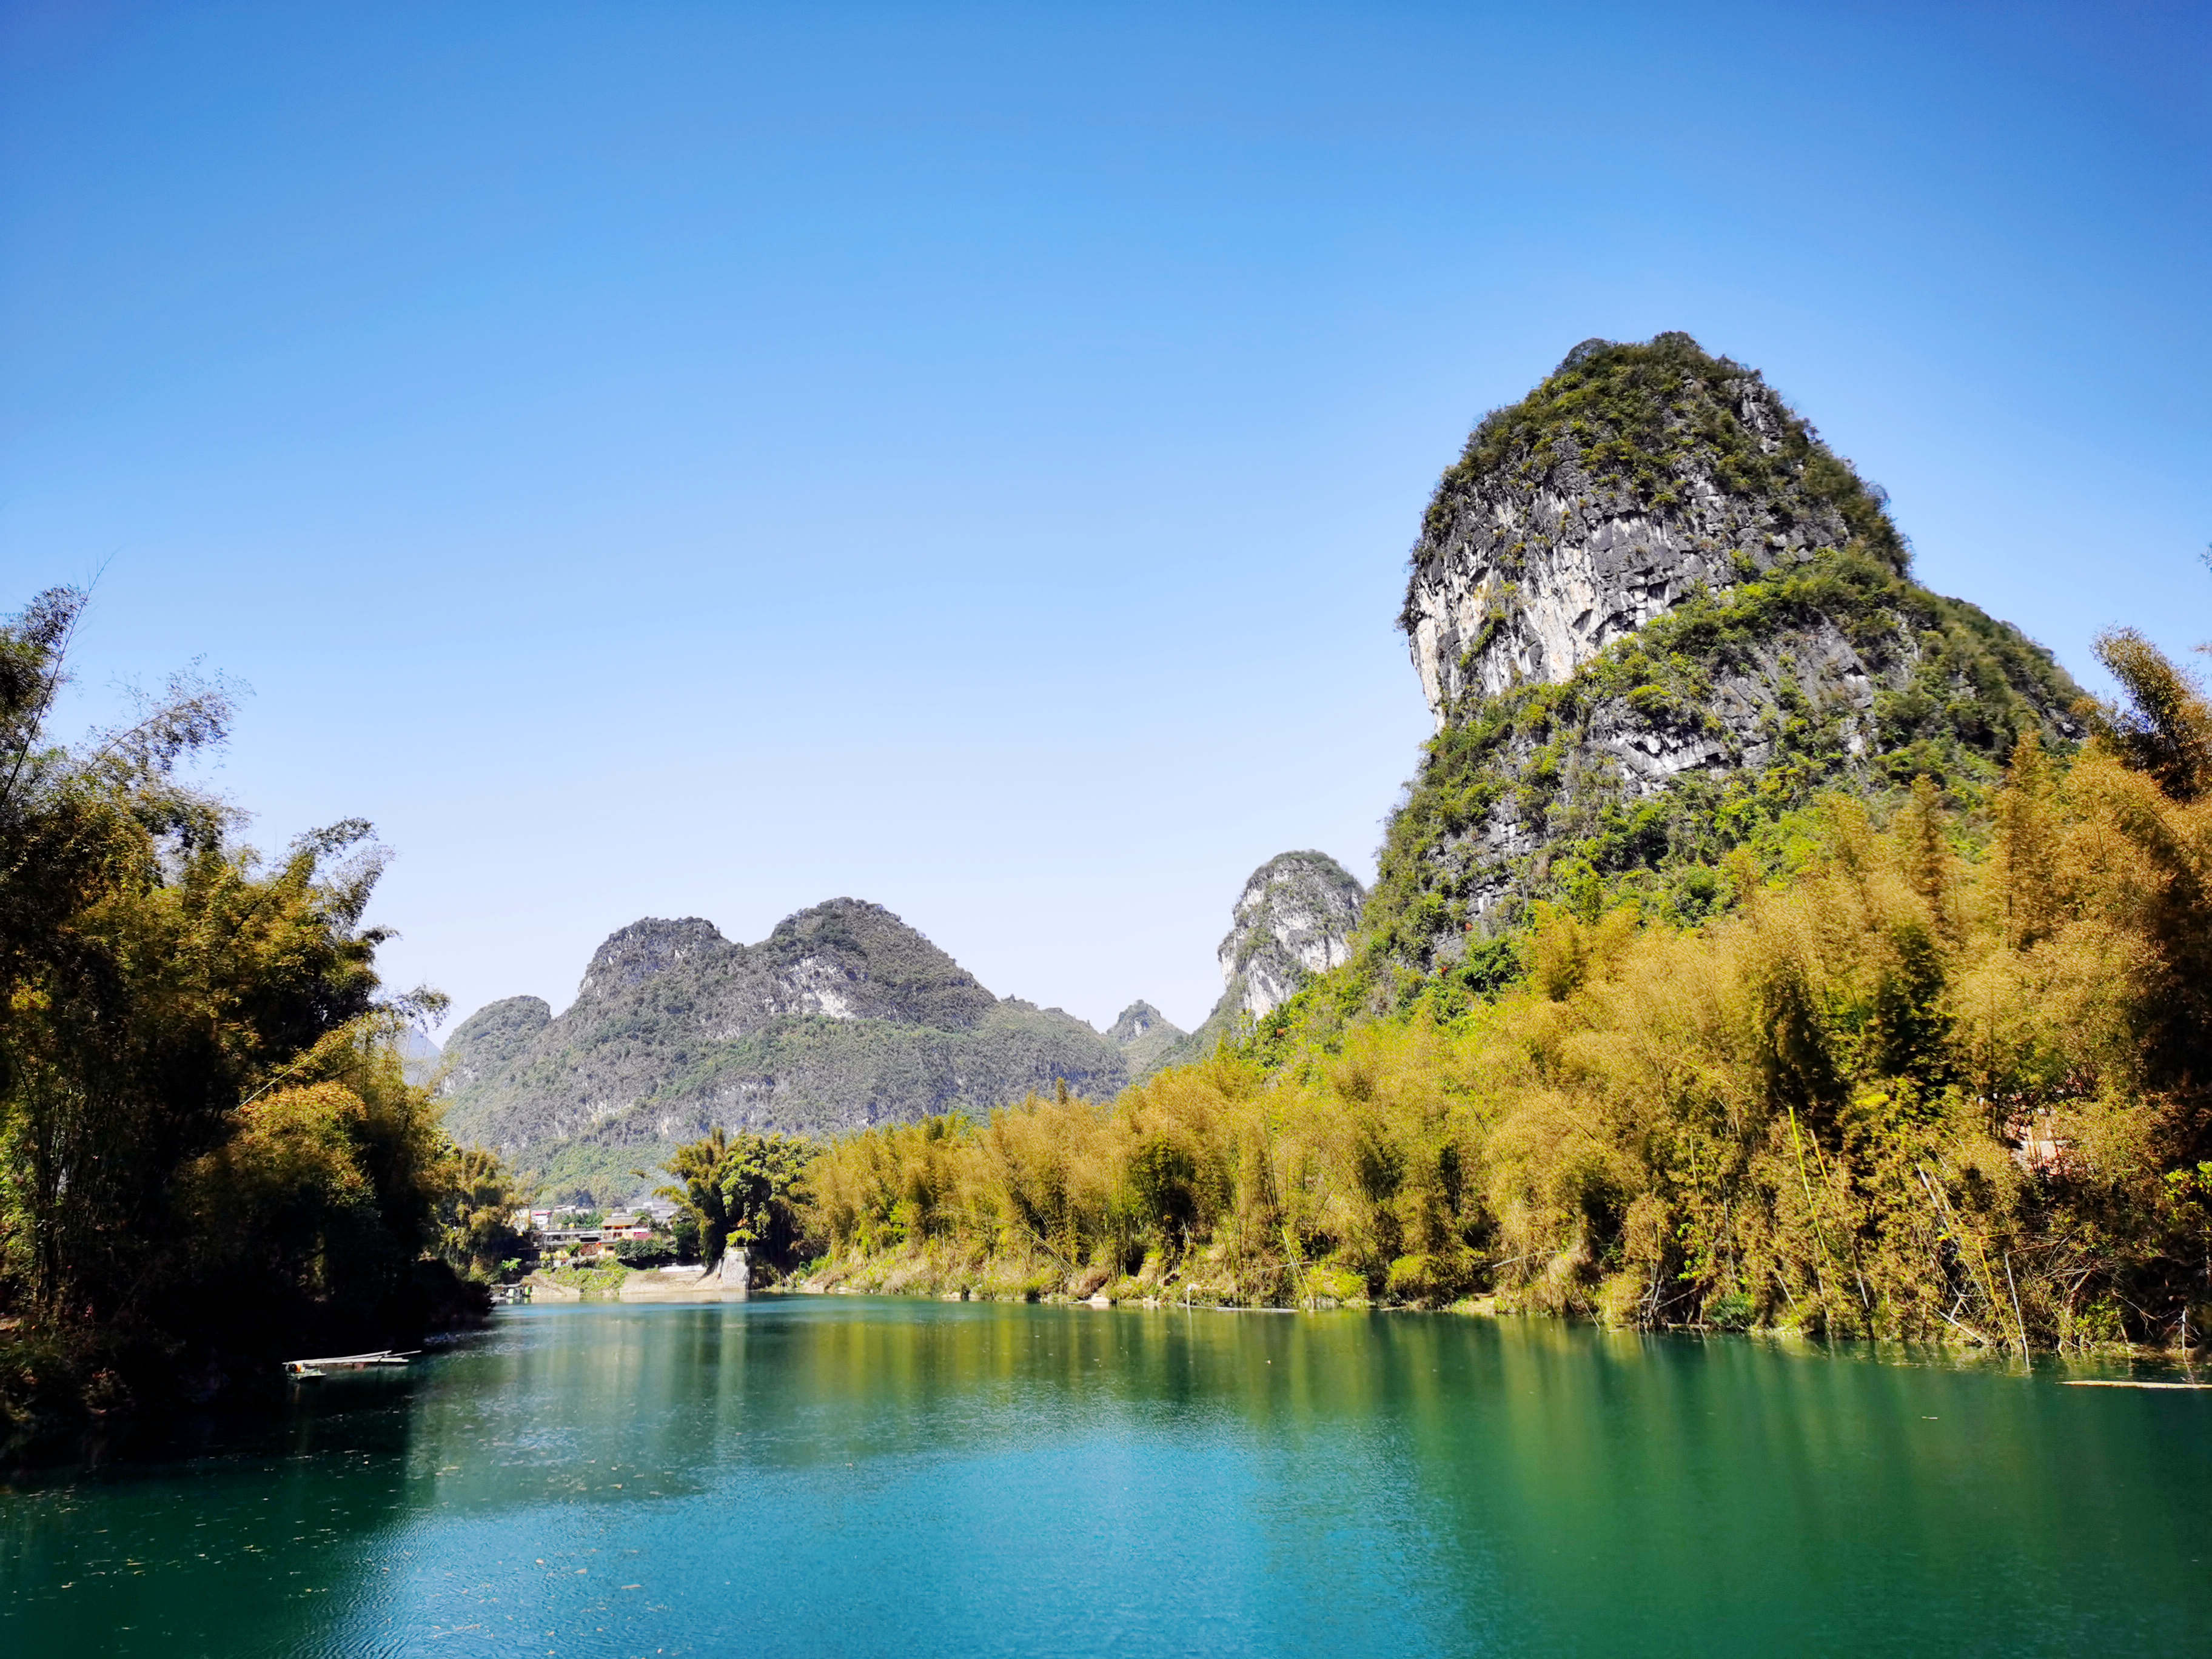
(1294, 918)
(631, 956)
(1634, 476)
(1654, 615)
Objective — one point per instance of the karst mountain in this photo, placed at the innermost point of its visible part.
(1652, 614)
(842, 1018)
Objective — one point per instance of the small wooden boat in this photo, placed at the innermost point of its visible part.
(313, 1368)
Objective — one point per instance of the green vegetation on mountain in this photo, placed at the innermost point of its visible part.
(1759, 944)
(1788, 655)
(208, 1153)
(1148, 1039)
(1642, 417)
(1945, 1076)
(843, 1016)
(1975, 688)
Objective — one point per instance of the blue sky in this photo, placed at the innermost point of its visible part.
(700, 459)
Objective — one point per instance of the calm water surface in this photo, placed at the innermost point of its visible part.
(841, 1476)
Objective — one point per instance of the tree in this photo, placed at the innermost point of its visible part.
(761, 1177)
(642, 1252)
(207, 1145)
(698, 1165)
(740, 1190)
(477, 1208)
(2165, 729)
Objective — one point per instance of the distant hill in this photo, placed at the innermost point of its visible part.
(843, 1016)
(1147, 1037)
(1295, 918)
(418, 1056)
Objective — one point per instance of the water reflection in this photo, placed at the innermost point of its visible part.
(835, 1476)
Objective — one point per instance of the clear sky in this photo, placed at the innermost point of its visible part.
(671, 460)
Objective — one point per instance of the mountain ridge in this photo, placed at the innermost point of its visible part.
(842, 1017)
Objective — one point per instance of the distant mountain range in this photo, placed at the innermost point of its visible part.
(843, 1016)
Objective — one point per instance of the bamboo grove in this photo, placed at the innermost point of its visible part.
(208, 1153)
(1944, 1076)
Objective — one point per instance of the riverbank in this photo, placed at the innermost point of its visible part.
(948, 1276)
(619, 1284)
(1207, 1280)
(64, 1388)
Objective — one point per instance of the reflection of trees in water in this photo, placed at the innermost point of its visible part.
(559, 1398)
(271, 1529)
(1325, 1482)
(608, 1404)
(1755, 1496)
(920, 1378)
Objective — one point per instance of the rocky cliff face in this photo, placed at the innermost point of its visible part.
(1603, 501)
(842, 1017)
(635, 953)
(1293, 920)
(1652, 613)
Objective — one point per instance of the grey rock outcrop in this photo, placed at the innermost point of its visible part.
(1294, 918)
(635, 954)
(1650, 612)
(735, 1270)
(1524, 572)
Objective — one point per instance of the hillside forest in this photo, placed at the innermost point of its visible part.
(1932, 1066)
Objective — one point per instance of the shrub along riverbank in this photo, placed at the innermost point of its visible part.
(1941, 1077)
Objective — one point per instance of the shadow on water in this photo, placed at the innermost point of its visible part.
(221, 1535)
(828, 1476)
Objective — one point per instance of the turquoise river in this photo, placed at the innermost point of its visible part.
(849, 1476)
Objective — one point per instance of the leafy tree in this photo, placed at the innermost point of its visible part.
(738, 1189)
(208, 1146)
(698, 1165)
(2165, 729)
(762, 1180)
(642, 1252)
(476, 1211)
